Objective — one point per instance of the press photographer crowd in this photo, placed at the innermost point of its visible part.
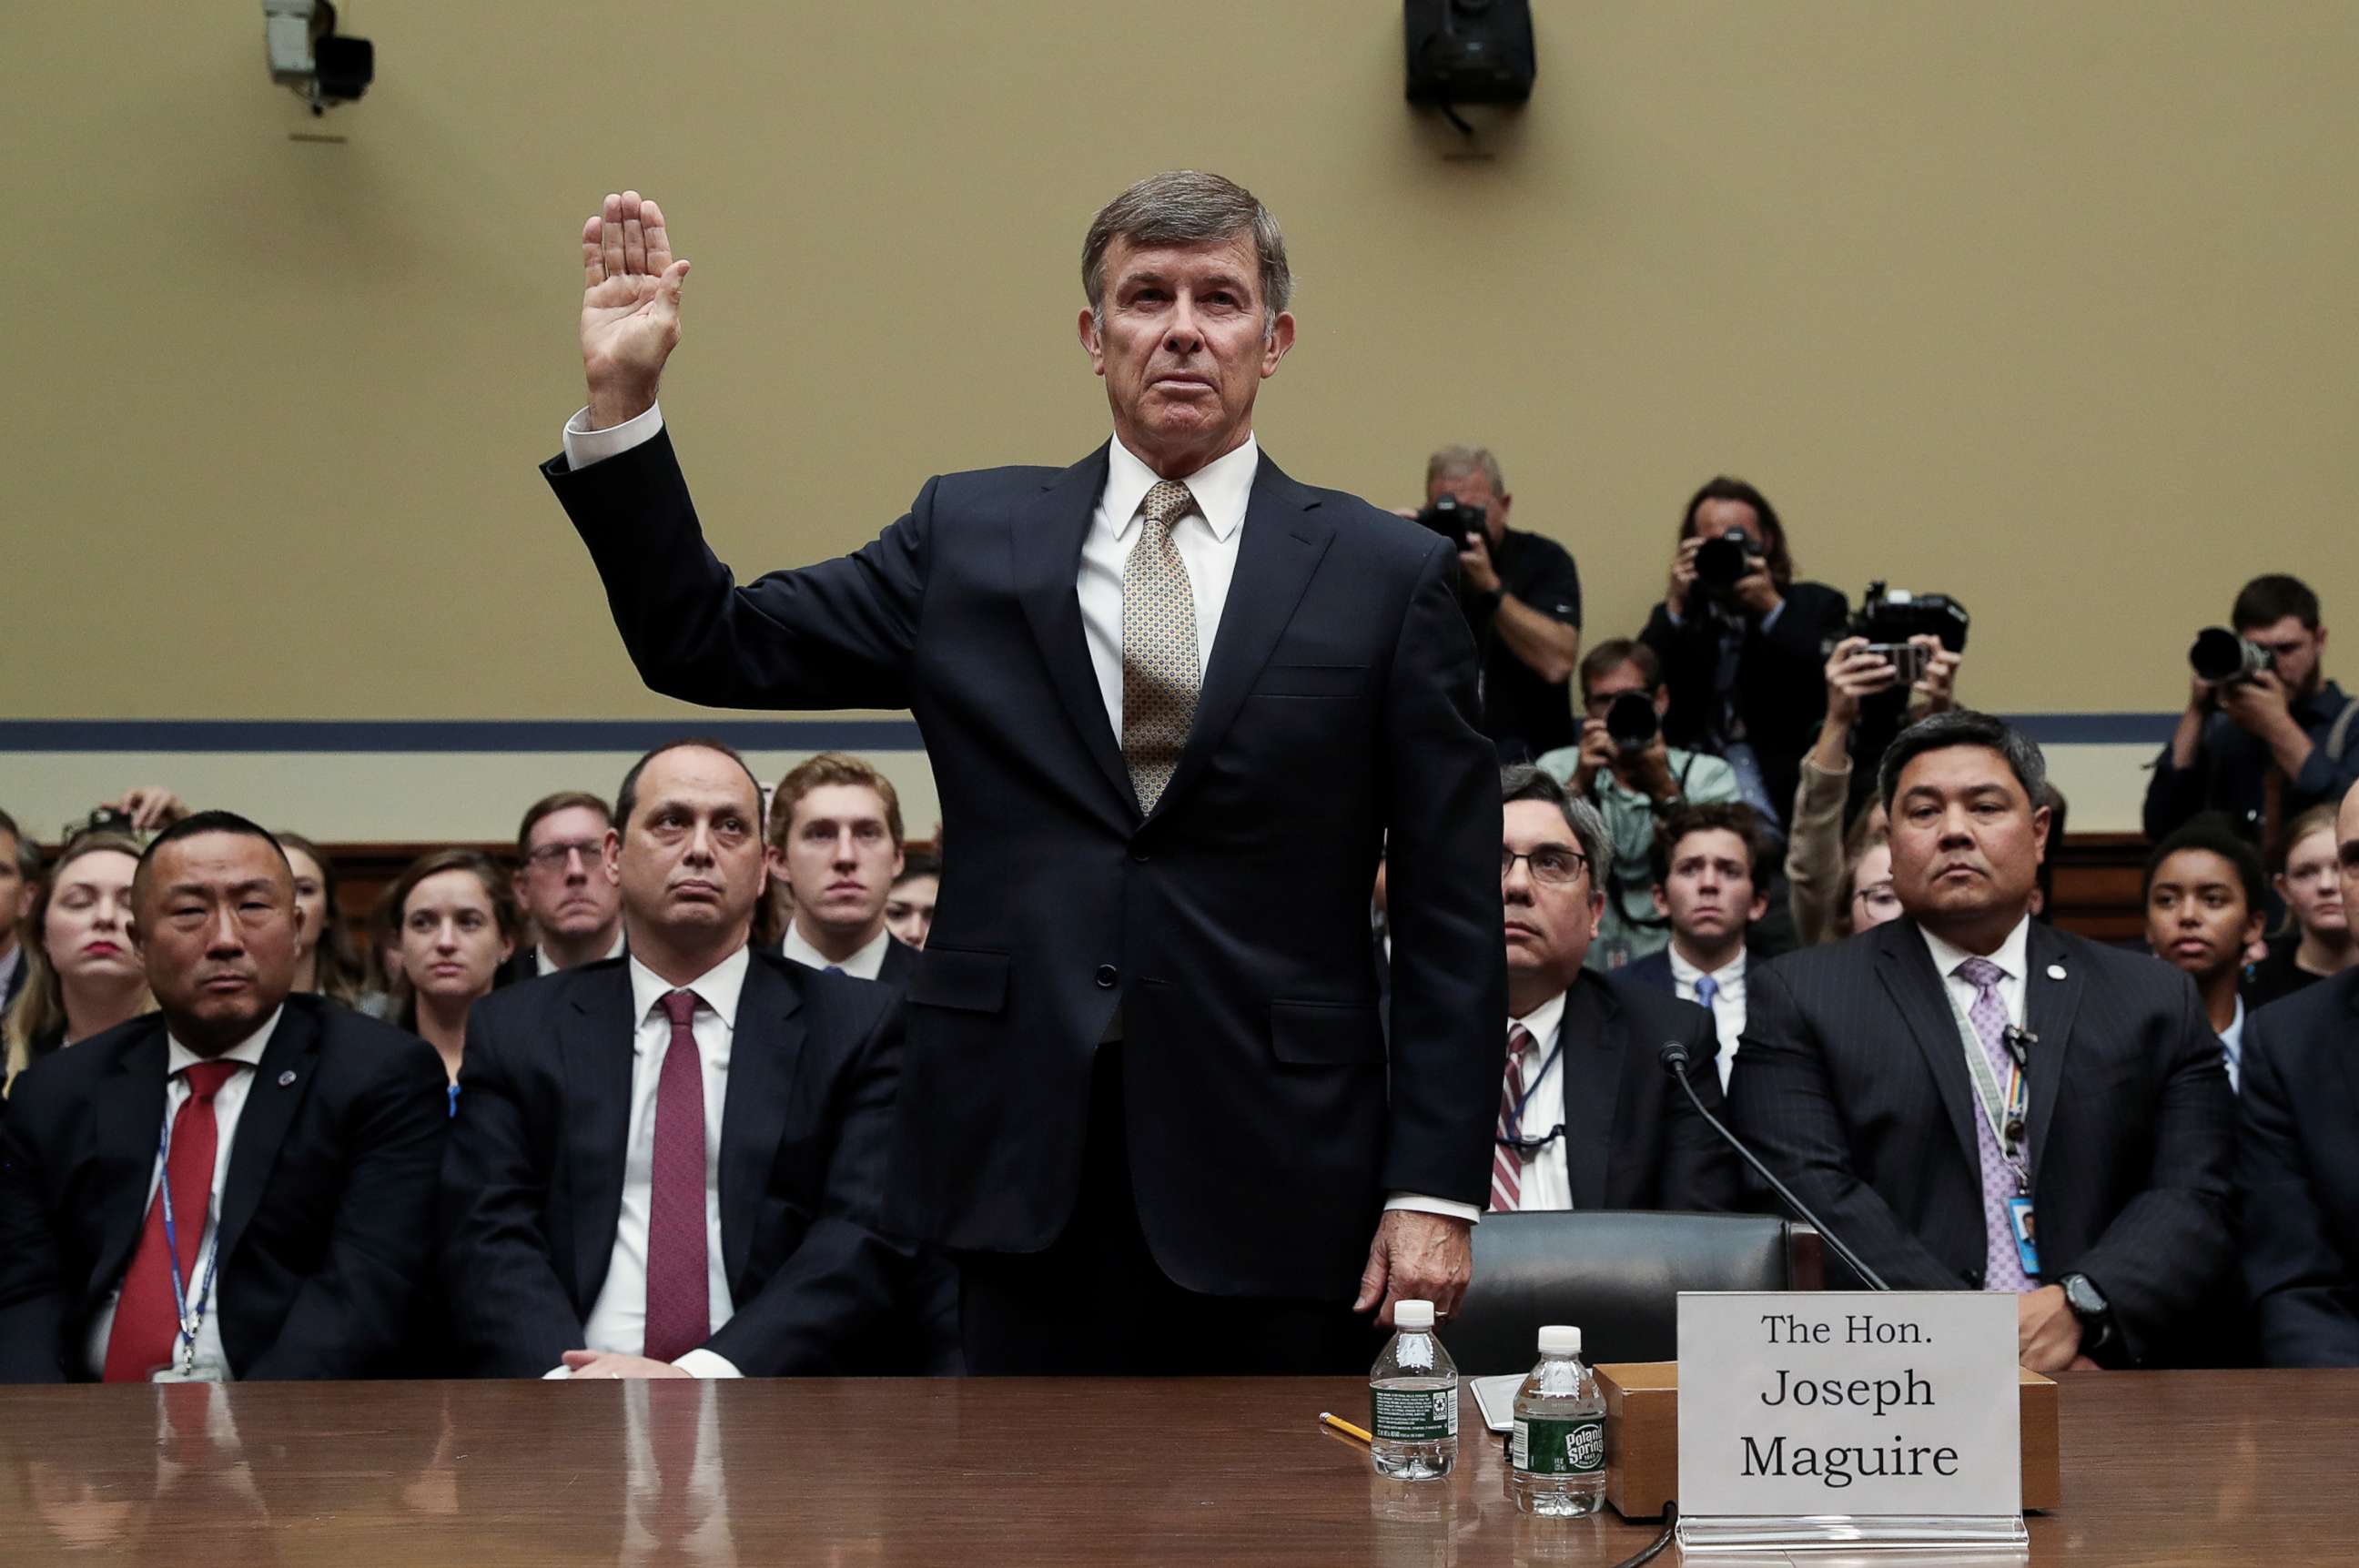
(1761, 825)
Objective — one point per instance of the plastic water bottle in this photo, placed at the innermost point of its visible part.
(1413, 1400)
(1558, 1449)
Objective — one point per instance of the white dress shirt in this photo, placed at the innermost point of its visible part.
(1547, 1182)
(1727, 1004)
(618, 1320)
(1207, 540)
(2013, 957)
(227, 1104)
(544, 964)
(865, 964)
(2231, 1044)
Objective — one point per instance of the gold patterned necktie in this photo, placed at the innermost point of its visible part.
(1160, 671)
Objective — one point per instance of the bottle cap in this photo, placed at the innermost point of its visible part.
(1413, 1317)
(1560, 1339)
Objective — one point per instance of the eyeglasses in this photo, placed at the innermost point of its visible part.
(1553, 865)
(553, 856)
(1878, 897)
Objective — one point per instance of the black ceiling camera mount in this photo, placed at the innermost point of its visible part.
(1469, 51)
(310, 56)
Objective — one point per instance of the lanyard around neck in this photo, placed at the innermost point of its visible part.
(2006, 1110)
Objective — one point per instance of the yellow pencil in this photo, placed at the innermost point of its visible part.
(1340, 1424)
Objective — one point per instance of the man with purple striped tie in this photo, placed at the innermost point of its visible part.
(667, 1164)
(1979, 1101)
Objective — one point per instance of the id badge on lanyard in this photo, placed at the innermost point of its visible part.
(2007, 1112)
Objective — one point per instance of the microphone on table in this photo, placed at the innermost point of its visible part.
(1674, 1058)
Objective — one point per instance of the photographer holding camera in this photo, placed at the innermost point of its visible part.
(1521, 593)
(2264, 736)
(1741, 641)
(1624, 768)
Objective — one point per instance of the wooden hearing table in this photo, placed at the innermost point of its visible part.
(2175, 1468)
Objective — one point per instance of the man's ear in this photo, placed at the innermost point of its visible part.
(1093, 341)
(1276, 341)
(610, 857)
(1760, 908)
(2039, 818)
(1662, 906)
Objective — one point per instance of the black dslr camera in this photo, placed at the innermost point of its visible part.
(1721, 561)
(1888, 617)
(1630, 720)
(2220, 656)
(1458, 524)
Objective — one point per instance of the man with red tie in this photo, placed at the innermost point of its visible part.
(234, 1186)
(667, 1164)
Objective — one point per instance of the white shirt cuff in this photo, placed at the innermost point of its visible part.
(701, 1363)
(1417, 1202)
(584, 446)
(557, 1372)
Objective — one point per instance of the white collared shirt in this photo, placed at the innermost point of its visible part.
(618, 1320)
(2231, 1045)
(227, 1104)
(2013, 958)
(865, 964)
(542, 964)
(1727, 1002)
(1547, 1182)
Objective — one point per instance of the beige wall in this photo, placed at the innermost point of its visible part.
(2046, 306)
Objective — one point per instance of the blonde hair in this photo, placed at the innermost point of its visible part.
(39, 1011)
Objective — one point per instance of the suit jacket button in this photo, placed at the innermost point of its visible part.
(1140, 856)
(1107, 976)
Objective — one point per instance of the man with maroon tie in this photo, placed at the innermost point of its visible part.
(667, 1164)
(234, 1186)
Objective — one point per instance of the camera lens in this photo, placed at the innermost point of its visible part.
(1630, 720)
(2219, 654)
(1719, 562)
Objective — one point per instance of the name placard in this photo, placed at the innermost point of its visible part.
(1815, 1402)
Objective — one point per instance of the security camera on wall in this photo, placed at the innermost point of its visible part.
(1469, 51)
(307, 55)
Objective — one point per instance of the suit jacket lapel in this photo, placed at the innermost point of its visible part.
(262, 1124)
(1283, 543)
(1046, 541)
(127, 1119)
(1595, 1035)
(597, 1036)
(2048, 1006)
(1908, 976)
(767, 1041)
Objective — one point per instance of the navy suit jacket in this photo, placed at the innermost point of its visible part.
(2298, 1173)
(532, 1185)
(1631, 1139)
(325, 1224)
(1653, 972)
(1852, 1087)
(1265, 1117)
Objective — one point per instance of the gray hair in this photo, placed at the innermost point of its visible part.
(1522, 781)
(1187, 207)
(1965, 727)
(1454, 462)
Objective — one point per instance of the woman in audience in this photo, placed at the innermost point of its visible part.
(909, 907)
(1868, 900)
(82, 976)
(458, 923)
(324, 960)
(2319, 942)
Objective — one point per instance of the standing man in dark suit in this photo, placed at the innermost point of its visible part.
(1174, 699)
(258, 1165)
(667, 1164)
(1581, 1046)
(1977, 1100)
(2298, 1162)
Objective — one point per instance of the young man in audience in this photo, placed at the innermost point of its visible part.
(1587, 1119)
(1979, 1101)
(2265, 748)
(1631, 786)
(834, 853)
(20, 873)
(667, 1164)
(574, 912)
(2203, 892)
(1711, 865)
(909, 907)
(2298, 1161)
(274, 1155)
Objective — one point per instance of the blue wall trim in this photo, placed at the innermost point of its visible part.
(637, 734)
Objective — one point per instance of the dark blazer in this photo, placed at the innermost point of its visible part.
(2298, 1173)
(532, 1186)
(900, 965)
(1652, 972)
(1631, 1139)
(1781, 689)
(1853, 1067)
(1228, 928)
(324, 1227)
(522, 964)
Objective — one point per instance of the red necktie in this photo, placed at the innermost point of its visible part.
(1507, 1164)
(679, 1295)
(147, 1327)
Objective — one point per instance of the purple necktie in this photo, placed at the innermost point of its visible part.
(680, 1296)
(2002, 1269)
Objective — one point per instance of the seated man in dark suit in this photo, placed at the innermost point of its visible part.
(835, 854)
(666, 1164)
(1977, 1100)
(2298, 1163)
(298, 1144)
(1587, 1119)
(1712, 863)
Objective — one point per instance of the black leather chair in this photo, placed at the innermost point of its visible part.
(1616, 1275)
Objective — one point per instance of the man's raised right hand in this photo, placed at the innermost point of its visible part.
(630, 307)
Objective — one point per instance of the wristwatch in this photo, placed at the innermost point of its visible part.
(2089, 1304)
